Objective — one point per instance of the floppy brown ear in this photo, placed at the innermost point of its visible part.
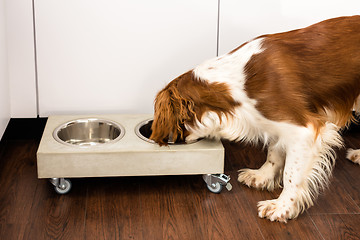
(171, 112)
(164, 118)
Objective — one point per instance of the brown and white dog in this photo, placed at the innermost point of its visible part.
(292, 91)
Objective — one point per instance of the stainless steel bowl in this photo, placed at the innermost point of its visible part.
(143, 131)
(88, 132)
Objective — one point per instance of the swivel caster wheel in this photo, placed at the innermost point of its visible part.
(215, 187)
(215, 182)
(61, 185)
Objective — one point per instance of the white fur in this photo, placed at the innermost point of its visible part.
(270, 175)
(229, 68)
(353, 155)
(309, 158)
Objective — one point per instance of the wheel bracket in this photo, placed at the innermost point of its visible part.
(212, 179)
(61, 185)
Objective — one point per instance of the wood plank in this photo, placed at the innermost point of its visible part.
(18, 187)
(167, 209)
(352, 223)
(331, 203)
(55, 216)
(181, 207)
(347, 172)
(113, 209)
(241, 155)
(226, 215)
(338, 226)
(299, 228)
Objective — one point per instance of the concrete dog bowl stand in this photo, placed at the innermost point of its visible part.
(113, 145)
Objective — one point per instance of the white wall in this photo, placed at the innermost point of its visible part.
(241, 21)
(21, 59)
(113, 56)
(4, 83)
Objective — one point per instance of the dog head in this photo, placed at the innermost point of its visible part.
(183, 101)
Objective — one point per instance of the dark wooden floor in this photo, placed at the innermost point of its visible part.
(165, 207)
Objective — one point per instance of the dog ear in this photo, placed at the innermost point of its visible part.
(164, 118)
(204, 96)
(171, 112)
(185, 99)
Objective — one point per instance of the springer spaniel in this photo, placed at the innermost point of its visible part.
(292, 91)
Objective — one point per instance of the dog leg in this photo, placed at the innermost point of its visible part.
(308, 166)
(269, 176)
(353, 155)
(288, 205)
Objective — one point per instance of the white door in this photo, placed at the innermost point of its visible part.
(112, 56)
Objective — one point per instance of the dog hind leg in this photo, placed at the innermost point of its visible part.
(353, 155)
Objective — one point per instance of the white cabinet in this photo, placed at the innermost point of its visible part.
(20, 58)
(241, 21)
(4, 82)
(111, 56)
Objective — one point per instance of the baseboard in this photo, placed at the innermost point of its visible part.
(24, 128)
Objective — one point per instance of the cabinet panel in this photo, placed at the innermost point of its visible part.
(241, 21)
(110, 56)
(4, 81)
(21, 58)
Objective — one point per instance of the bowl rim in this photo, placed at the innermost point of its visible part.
(144, 122)
(84, 120)
(138, 133)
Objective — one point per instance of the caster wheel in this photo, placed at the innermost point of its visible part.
(215, 187)
(65, 189)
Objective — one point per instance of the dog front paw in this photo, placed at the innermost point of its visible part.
(258, 179)
(353, 155)
(277, 210)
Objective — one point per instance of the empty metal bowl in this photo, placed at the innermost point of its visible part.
(143, 131)
(88, 132)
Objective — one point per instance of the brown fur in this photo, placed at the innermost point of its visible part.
(304, 74)
(183, 100)
(306, 77)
